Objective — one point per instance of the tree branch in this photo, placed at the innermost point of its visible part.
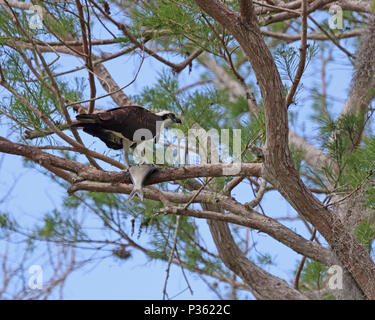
(302, 57)
(250, 219)
(278, 163)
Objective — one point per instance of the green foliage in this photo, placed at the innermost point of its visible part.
(210, 109)
(278, 26)
(298, 155)
(161, 235)
(71, 202)
(174, 23)
(159, 229)
(102, 200)
(365, 232)
(350, 21)
(313, 273)
(359, 170)
(162, 95)
(166, 15)
(265, 259)
(59, 228)
(6, 223)
(7, 27)
(237, 108)
(337, 136)
(35, 92)
(202, 107)
(18, 73)
(61, 22)
(287, 59)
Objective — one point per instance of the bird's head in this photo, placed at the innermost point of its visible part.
(168, 117)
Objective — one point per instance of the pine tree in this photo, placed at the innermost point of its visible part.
(267, 69)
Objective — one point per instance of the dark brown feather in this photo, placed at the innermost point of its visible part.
(112, 141)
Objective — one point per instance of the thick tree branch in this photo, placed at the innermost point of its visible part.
(363, 80)
(246, 10)
(161, 175)
(265, 224)
(289, 14)
(251, 219)
(312, 36)
(263, 284)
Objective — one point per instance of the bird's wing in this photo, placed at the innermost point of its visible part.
(112, 141)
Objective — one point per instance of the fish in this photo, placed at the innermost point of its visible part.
(138, 175)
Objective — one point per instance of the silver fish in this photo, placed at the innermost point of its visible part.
(138, 175)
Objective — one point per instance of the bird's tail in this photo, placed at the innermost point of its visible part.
(85, 119)
(138, 192)
(89, 118)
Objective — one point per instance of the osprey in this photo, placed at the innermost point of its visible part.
(116, 127)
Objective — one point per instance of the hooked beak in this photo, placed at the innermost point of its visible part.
(177, 120)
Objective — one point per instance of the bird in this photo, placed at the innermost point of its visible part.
(116, 127)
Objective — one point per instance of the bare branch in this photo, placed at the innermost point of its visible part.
(171, 255)
(259, 195)
(302, 57)
(87, 51)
